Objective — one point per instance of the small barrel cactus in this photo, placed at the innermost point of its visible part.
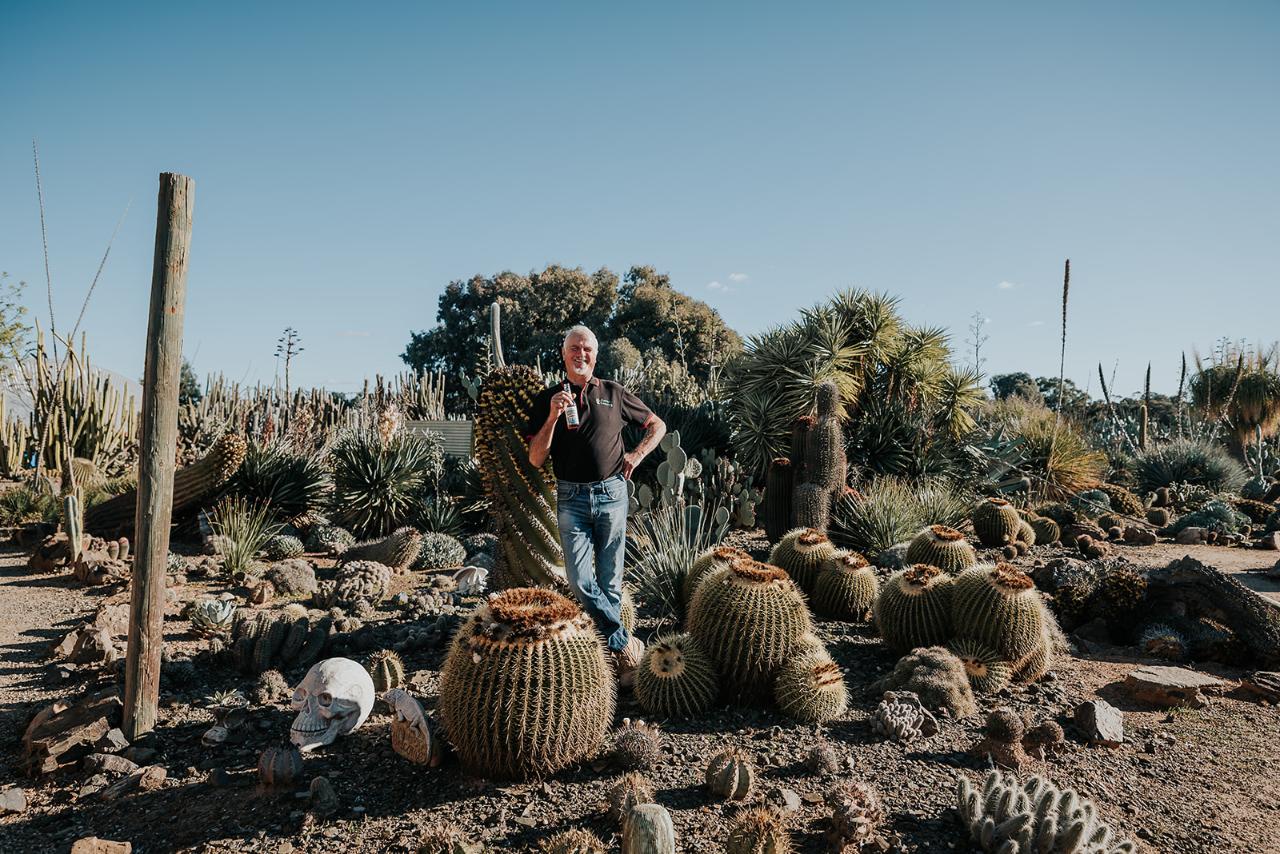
(999, 605)
(1163, 641)
(676, 678)
(730, 775)
(329, 539)
(761, 830)
(914, 608)
(575, 841)
(996, 523)
(636, 745)
(280, 766)
(1026, 536)
(386, 669)
(987, 671)
(810, 689)
(447, 839)
(1046, 530)
(823, 759)
(943, 547)
(856, 815)
(1039, 661)
(439, 551)
(846, 587)
(283, 547)
(801, 553)
(748, 617)
(628, 792)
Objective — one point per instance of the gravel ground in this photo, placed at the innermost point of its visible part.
(1202, 780)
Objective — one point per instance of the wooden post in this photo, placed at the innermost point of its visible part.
(157, 453)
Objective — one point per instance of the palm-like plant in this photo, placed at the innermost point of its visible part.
(377, 482)
(1241, 389)
(1051, 451)
(291, 484)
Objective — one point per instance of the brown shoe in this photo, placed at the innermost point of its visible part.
(626, 660)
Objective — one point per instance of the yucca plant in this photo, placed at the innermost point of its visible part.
(663, 543)
(1240, 388)
(291, 484)
(1200, 462)
(891, 510)
(439, 515)
(244, 527)
(376, 481)
(25, 504)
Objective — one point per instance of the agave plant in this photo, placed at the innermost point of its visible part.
(439, 515)
(1052, 452)
(891, 510)
(211, 617)
(662, 544)
(376, 481)
(243, 527)
(291, 484)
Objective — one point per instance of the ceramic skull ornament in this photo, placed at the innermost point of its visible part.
(411, 734)
(334, 698)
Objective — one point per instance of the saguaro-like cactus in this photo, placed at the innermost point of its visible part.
(825, 468)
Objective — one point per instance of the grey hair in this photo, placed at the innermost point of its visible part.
(576, 331)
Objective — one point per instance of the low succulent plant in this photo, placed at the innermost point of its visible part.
(283, 547)
(329, 539)
(856, 815)
(937, 677)
(898, 720)
(280, 766)
(630, 790)
(386, 669)
(211, 617)
(398, 550)
(1009, 818)
(823, 759)
(761, 830)
(1001, 740)
(731, 775)
(636, 745)
(439, 551)
(575, 841)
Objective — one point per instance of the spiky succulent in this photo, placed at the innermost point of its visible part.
(810, 689)
(1046, 530)
(1039, 662)
(1122, 592)
(710, 560)
(1187, 461)
(730, 774)
(575, 841)
(937, 677)
(376, 481)
(1009, 818)
(211, 617)
(526, 688)
(359, 580)
(748, 617)
(761, 830)
(447, 839)
(898, 720)
(283, 547)
(676, 678)
(386, 669)
(914, 608)
(856, 815)
(291, 484)
(999, 606)
(629, 791)
(439, 551)
(987, 671)
(943, 547)
(996, 523)
(801, 553)
(1163, 641)
(329, 539)
(636, 745)
(397, 550)
(846, 587)
(823, 759)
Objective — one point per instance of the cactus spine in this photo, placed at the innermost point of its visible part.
(996, 523)
(914, 608)
(846, 587)
(526, 689)
(811, 689)
(801, 553)
(759, 831)
(676, 678)
(943, 547)
(714, 558)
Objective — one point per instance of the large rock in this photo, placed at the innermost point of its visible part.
(1100, 723)
(94, 845)
(1169, 686)
(12, 799)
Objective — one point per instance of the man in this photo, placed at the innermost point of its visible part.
(592, 468)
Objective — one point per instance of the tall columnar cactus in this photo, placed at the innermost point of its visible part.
(825, 469)
(999, 605)
(526, 688)
(779, 487)
(846, 587)
(710, 560)
(810, 689)
(988, 672)
(1009, 818)
(676, 678)
(801, 553)
(191, 486)
(943, 547)
(522, 498)
(914, 608)
(749, 617)
(398, 550)
(996, 523)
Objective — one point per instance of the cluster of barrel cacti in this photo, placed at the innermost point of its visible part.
(991, 616)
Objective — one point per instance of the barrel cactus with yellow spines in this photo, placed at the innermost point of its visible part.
(810, 689)
(943, 547)
(575, 841)
(761, 830)
(914, 608)
(522, 497)
(676, 678)
(1026, 533)
(988, 672)
(999, 605)
(1046, 530)
(801, 553)
(1039, 662)
(996, 523)
(846, 587)
(386, 669)
(526, 688)
(716, 557)
(748, 617)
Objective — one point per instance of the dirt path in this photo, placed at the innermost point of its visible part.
(1247, 565)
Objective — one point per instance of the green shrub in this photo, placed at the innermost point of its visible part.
(893, 510)
(1197, 462)
(244, 528)
(377, 484)
(1050, 450)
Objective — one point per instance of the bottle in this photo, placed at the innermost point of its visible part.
(571, 411)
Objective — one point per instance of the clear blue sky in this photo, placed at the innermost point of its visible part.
(351, 159)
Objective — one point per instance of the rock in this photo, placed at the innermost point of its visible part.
(1270, 542)
(1264, 684)
(94, 845)
(1100, 723)
(1169, 686)
(113, 742)
(148, 779)
(1191, 536)
(140, 755)
(12, 799)
(108, 762)
(788, 800)
(1094, 631)
(324, 800)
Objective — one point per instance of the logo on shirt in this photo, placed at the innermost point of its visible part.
(604, 402)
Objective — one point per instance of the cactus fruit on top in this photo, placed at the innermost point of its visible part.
(387, 671)
(846, 587)
(526, 688)
(1009, 818)
(398, 550)
(748, 617)
(914, 608)
(761, 830)
(856, 815)
(943, 547)
(999, 605)
(716, 557)
(629, 791)
(810, 689)
(676, 678)
(636, 745)
(522, 497)
(987, 671)
(779, 488)
(996, 523)
(730, 774)
(937, 677)
(575, 841)
(801, 553)
(1046, 530)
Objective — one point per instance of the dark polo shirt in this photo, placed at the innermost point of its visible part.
(594, 451)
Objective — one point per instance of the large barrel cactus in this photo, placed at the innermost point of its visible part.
(846, 588)
(526, 689)
(943, 547)
(999, 605)
(801, 553)
(749, 616)
(714, 558)
(676, 678)
(996, 523)
(522, 497)
(914, 608)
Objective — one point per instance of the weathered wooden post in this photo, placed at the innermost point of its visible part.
(157, 453)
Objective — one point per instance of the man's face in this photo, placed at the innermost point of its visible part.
(580, 358)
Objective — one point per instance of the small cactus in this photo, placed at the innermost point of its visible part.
(676, 678)
(386, 670)
(846, 588)
(447, 839)
(801, 553)
(398, 550)
(280, 766)
(987, 671)
(996, 523)
(630, 790)
(283, 547)
(914, 608)
(730, 775)
(901, 721)
(856, 814)
(810, 688)
(937, 677)
(576, 841)
(761, 830)
(636, 745)
(823, 759)
(943, 547)
(1046, 530)
(1002, 739)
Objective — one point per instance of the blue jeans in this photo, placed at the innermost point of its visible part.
(593, 531)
